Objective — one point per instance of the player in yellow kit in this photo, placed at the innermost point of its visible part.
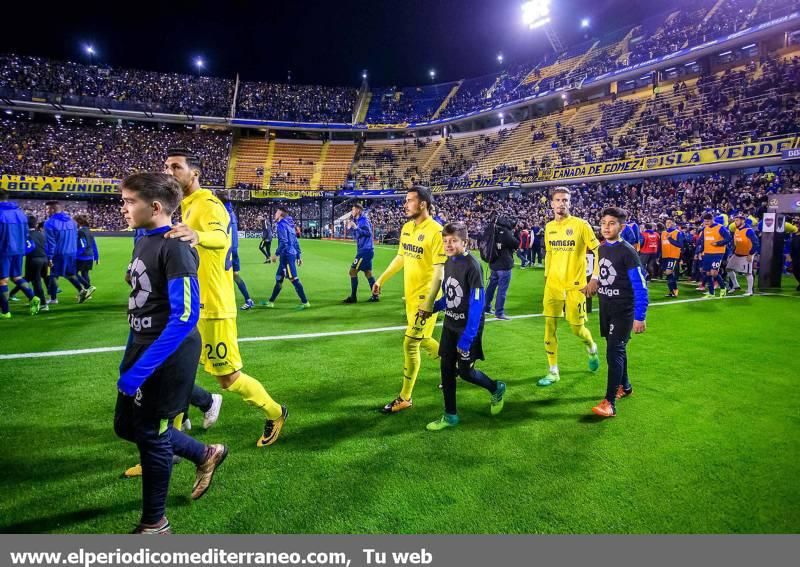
(567, 240)
(421, 257)
(206, 225)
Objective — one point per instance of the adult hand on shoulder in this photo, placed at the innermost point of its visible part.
(183, 232)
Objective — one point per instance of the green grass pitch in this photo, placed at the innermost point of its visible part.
(709, 443)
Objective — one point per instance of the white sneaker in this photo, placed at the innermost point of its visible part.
(52, 302)
(212, 415)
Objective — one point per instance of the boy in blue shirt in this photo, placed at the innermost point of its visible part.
(158, 368)
(461, 344)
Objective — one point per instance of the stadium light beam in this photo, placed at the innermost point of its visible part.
(585, 22)
(500, 58)
(199, 63)
(432, 74)
(536, 13)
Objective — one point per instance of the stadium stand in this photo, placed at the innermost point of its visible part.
(73, 146)
(682, 198)
(296, 103)
(102, 86)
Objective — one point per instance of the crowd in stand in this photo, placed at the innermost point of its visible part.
(84, 147)
(649, 200)
(296, 103)
(454, 163)
(117, 88)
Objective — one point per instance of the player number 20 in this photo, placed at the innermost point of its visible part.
(221, 351)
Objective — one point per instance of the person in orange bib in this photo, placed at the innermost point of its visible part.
(672, 242)
(745, 246)
(715, 241)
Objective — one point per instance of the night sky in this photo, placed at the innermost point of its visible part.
(397, 41)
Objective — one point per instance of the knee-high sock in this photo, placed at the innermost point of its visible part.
(275, 291)
(584, 335)
(431, 347)
(353, 286)
(252, 392)
(720, 281)
(710, 284)
(22, 284)
(371, 282)
(3, 299)
(551, 340)
(242, 287)
(733, 279)
(749, 278)
(411, 364)
(301, 293)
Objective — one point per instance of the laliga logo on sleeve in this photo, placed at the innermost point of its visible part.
(607, 272)
(140, 282)
(453, 293)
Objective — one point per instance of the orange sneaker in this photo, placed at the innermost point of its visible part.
(604, 409)
(621, 393)
(396, 405)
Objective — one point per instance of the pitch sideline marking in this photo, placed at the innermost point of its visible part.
(99, 350)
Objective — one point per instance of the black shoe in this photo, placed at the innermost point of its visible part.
(350, 299)
(376, 299)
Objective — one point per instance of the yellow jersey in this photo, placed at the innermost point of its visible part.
(422, 248)
(206, 215)
(566, 245)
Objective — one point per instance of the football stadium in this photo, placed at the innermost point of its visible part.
(552, 291)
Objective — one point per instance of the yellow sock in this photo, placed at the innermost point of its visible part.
(411, 364)
(252, 392)
(583, 334)
(431, 346)
(551, 340)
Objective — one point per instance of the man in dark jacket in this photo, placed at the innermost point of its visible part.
(503, 261)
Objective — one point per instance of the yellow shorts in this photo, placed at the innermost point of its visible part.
(417, 330)
(220, 355)
(558, 302)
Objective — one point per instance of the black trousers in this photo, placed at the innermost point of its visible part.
(201, 398)
(616, 326)
(265, 247)
(146, 420)
(36, 275)
(454, 366)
